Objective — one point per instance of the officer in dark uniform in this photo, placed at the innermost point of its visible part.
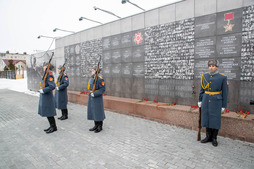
(213, 101)
(95, 108)
(61, 97)
(46, 102)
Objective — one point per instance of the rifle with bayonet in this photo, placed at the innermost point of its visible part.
(46, 72)
(61, 74)
(96, 76)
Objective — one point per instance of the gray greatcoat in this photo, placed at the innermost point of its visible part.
(213, 102)
(61, 97)
(95, 107)
(47, 103)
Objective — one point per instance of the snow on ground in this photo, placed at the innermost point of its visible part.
(19, 85)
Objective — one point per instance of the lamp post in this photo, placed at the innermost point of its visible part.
(62, 30)
(81, 18)
(124, 1)
(95, 8)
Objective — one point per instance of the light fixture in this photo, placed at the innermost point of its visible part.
(62, 30)
(124, 1)
(81, 18)
(95, 8)
(41, 36)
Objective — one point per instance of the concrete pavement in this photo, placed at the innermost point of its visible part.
(125, 142)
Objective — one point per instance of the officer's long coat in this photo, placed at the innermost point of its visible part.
(61, 97)
(47, 102)
(95, 108)
(212, 104)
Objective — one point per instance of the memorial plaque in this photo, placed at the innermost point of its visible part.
(229, 21)
(116, 56)
(106, 43)
(138, 37)
(115, 70)
(201, 66)
(115, 41)
(205, 26)
(106, 56)
(138, 54)
(126, 70)
(138, 69)
(127, 55)
(126, 40)
(205, 48)
(229, 45)
(107, 70)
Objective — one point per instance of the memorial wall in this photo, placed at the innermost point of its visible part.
(164, 62)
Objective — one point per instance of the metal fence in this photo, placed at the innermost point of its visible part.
(8, 74)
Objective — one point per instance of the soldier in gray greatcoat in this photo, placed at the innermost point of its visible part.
(95, 108)
(213, 101)
(61, 97)
(46, 103)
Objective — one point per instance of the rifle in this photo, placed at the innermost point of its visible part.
(46, 72)
(199, 124)
(61, 74)
(97, 72)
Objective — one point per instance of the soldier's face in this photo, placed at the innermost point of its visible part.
(213, 68)
(44, 68)
(93, 72)
(59, 70)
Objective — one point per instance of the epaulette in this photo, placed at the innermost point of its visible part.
(65, 74)
(222, 74)
(100, 77)
(206, 73)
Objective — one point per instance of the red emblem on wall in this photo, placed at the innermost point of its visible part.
(138, 38)
(228, 17)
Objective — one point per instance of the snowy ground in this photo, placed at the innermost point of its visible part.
(19, 85)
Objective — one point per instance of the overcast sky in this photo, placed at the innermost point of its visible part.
(22, 21)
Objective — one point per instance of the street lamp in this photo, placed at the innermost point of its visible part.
(95, 8)
(62, 30)
(81, 18)
(124, 1)
(41, 36)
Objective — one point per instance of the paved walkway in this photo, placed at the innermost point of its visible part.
(125, 142)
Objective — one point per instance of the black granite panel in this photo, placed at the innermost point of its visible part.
(205, 26)
(107, 70)
(116, 56)
(138, 70)
(138, 54)
(126, 70)
(115, 87)
(230, 67)
(116, 70)
(229, 21)
(126, 86)
(127, 55)
(229, 45)
(138, 88)
(205, 48)
(126, 40)
(106, 43)
(116, 41)
(106, 57)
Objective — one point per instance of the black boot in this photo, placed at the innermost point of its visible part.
(52, 123)
(99, 128)
(46, 129)
(214, 137)
(65, 114)
(60, 118)
(95, 126)
(208, 136)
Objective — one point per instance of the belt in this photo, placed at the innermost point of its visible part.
(212, 93)
(92, 91)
